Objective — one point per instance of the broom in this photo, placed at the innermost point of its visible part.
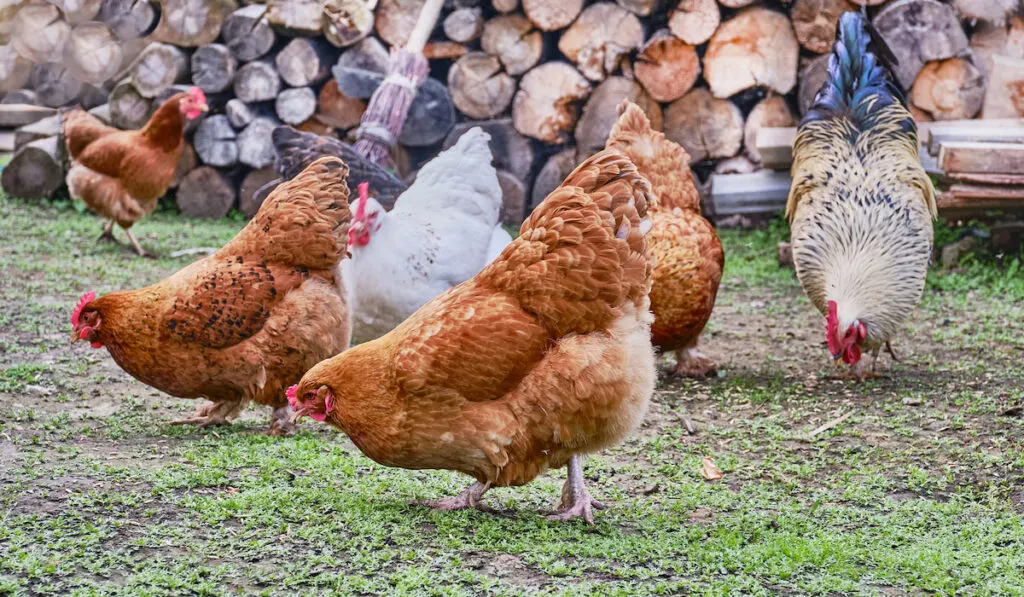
(389, 106)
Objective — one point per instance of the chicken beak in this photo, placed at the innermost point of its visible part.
(204, 108)
(297, 415)
(74, 337)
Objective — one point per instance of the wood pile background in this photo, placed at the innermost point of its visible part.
(543, 76)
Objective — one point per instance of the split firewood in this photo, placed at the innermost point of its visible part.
(641, 8)
(812, 77)
(814, 22)
(92, 54)
(78, 11)
(544, 108)
(128, 19)
(444, 50)
(737, 165)
(47, 127)
(36, 171)
(997, 40)
(205, 193)
(918, 32)
(39, 33)
(361, 68)
(191, 23)
(14, 70)
(54, 85)
(215, 141)
(213, 68)
(601, 38)
(239, 113)
(949, 89)
(478, 86)
(505, 6)
(128, 108)
(757, 47)
(666, 66)
(250, 197)
(431, 116)
(17, 115)
(21, 96)
(316, 126)
(187, 162)
(296, 18)
(705, 126)
(511, 151)
(247, 33)
(8, 10)
(396, 19)
(513, 39)
(551, 175)
(993, 12)
(345, 22)
(601, 112)
(464, 25)
(694, 21)
(257, 81)
(513, 199)
(552, 16)
(304, 62)
(771, 112)
(157, 68)
(337, 109)
(1004, 97)
(296, 105)
(255, 146)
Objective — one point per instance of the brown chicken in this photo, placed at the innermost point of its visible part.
(543, 356)
(246, 322)
(684, 247)
(122, 174)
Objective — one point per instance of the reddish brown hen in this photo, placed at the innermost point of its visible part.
(122, 174)
(684, 247)
(543, 356)
(246, 322)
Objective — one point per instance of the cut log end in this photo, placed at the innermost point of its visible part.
(478, 87)
(667, 67)
(755, 48)
(544, 108)
(707, 127)
(205, 193)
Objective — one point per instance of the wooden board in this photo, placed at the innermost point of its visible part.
(775, 146)
(762, 192)
(982, 157)
(1010, 130)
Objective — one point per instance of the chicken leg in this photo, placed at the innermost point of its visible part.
(138, 248)
(280, 423)
(691, 363)
(576, 500)
(469, 498)
(108, 233)
(215, 413)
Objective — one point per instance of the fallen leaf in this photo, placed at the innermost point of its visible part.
(231, 490)
(708, 470)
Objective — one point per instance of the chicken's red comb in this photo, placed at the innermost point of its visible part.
(84, 300)
(197, 94)
(364, 195)
(292, 394)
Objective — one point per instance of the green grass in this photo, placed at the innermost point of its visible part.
(921, 490)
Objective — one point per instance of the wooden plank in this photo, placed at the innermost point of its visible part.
(977, 191)
(776, 147)
(761, 192)
(982, 157)
(15, 115)
(1009, 130)
(993, 179)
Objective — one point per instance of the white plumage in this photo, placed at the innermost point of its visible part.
(442, 231)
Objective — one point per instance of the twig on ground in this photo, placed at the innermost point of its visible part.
(195, 251)
(833, 423)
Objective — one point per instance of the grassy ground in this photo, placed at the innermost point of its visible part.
(920, 490)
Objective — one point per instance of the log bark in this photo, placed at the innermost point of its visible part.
(92, 53)
(345, 22)
(14, 70)
(361, 69)
(478, 87)
(191, 23)
(249, 200)
(247, 33)
(42, 129)
(982, 158)
(396, 20)
(511, 151)
(771, 112)
(918, 32)
(949, 89)
(21, 96)
(513, 39)
(40, 32)
(757, 47)
(128, 109)
(215, 141)
(600, 38)
(54, 85)
(666, 66)
(187, 162)
(544, 108)
(601, 112)
(992, 40)
(295, 106)
(255, 147)
(305, 62)
(814, 22)
(337, 109)
(257, 82)
(513, 199)
(1004, 97)
(552, 16)
(695, 21)
(78, 11)
(213, 68)
(158, 67)
(464, 25)
(812, 78)
(705, 126)
(551, 175)
(296, 18)
(205, 193)
(16, 115)
(36, 171)
(431, 116)
(444, 50)
(128, 19)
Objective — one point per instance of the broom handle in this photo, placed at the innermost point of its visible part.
(429, 14)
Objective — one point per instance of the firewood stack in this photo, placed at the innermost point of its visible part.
(544, 77)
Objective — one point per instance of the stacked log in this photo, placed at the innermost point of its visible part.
(727, 79)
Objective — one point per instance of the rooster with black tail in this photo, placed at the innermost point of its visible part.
(861, 206)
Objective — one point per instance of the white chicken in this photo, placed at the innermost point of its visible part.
(442, 231)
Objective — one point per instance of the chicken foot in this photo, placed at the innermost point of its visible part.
(469, 498)
(576, 500)
(138, 248)
(691, 363)
(108, 233)
(280, 423)
(215, 413)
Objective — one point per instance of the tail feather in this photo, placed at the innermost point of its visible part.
(304, 222)
(581, 255)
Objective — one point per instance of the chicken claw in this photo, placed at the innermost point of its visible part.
(576, 500)
(691, 363)
(280, 425)
(138, 248)
(469, 498)
(215, 413)
(108, 233)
